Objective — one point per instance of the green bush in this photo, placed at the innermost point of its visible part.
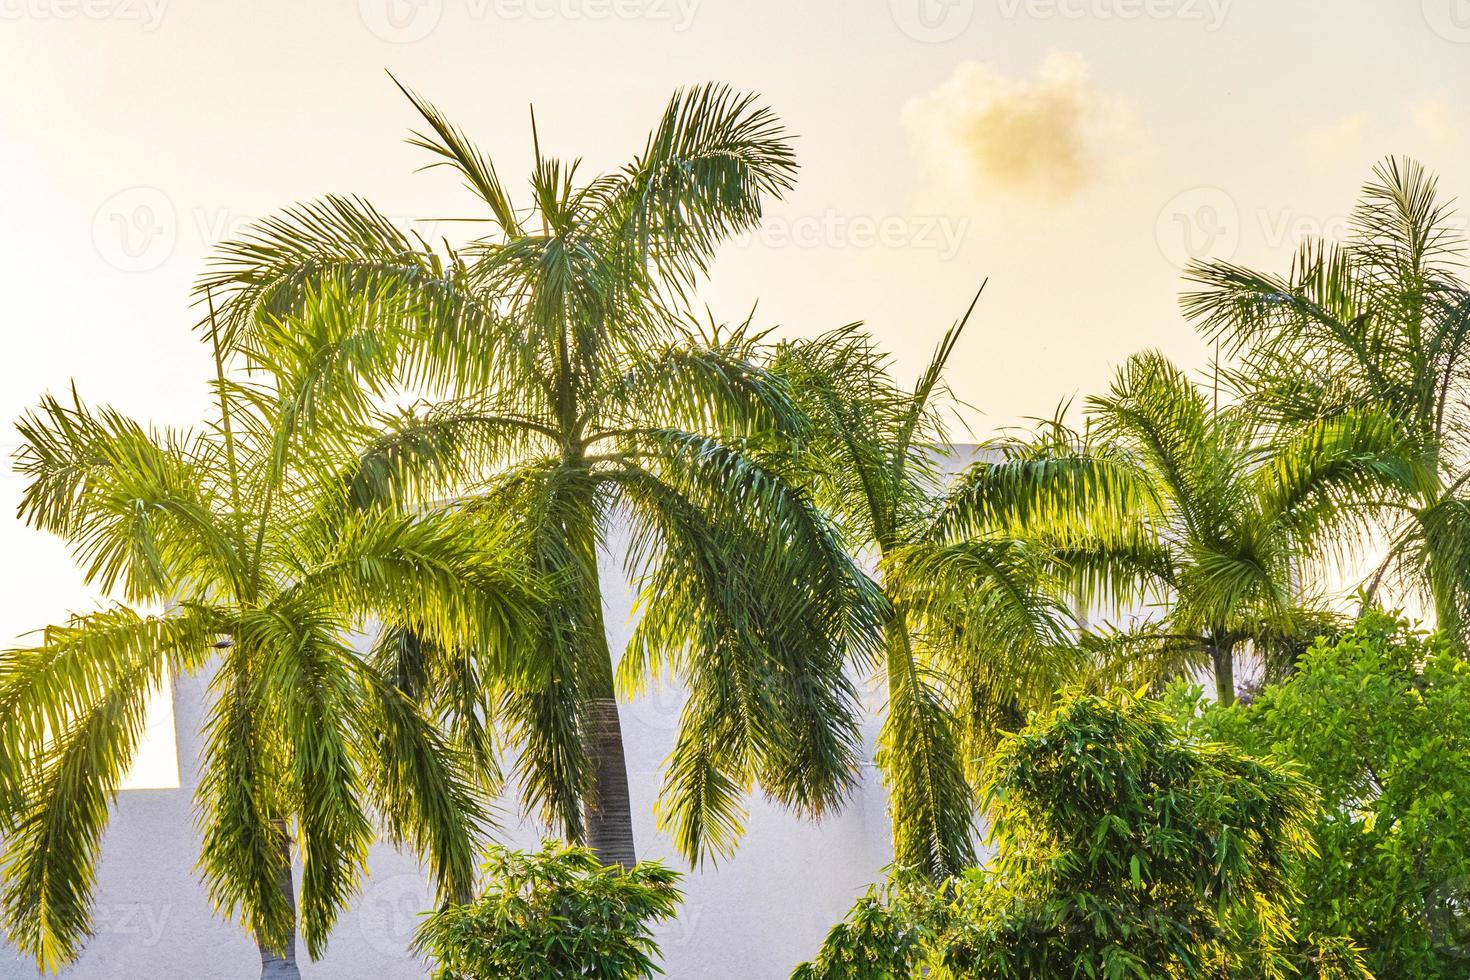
(889, 933)
(551, 915)
(1380, 721)
(1123, 848)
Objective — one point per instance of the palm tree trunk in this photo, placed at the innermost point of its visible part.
(607, 811)
(1223, 658)
(274, 965)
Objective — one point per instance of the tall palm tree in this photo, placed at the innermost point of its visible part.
(573, 395)
(1230, 524)
(249, 539)
(978, 634)
(1382, 320)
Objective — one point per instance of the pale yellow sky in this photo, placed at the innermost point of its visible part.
(1076, 152)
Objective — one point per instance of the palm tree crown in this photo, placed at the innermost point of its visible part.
(1381, 320)
(1225, 522)
(570, 391)
(252, 535)
(978, 633)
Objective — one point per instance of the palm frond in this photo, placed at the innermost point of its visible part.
(74, 710)
(920, 757)
(456, 579)
(455, 151)
(987, 621)
(704, 175)
(702, 387)
(308, 673)
(138, 507)
(722, 610)
(243, 801)
(424, 786)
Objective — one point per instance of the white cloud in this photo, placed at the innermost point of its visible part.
(982, 133)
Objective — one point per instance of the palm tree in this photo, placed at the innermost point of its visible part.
(1228, 526)
(250, 536)
(978, 634)
(573, 395)
(1380, 320)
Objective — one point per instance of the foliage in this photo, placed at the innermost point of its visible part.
(571, 393)
(1380, 722)
(1123, 847)
(1378, 322)
(945, 555)
(560, 388)
(251, 534)
(1227, 524)
(557, 913)
(887, 935)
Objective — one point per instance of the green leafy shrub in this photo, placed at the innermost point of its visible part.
(1380, 721)
(889, 933)
(1124, 847)
(554, 914)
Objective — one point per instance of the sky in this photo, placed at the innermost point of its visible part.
(1074, 153)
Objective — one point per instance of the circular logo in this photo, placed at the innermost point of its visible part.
(390, 912)
(135, 230)
(658, 708)
(1201, 223)
(1450, 19)
(401, 21)
(932, 21)
(1447, 910)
